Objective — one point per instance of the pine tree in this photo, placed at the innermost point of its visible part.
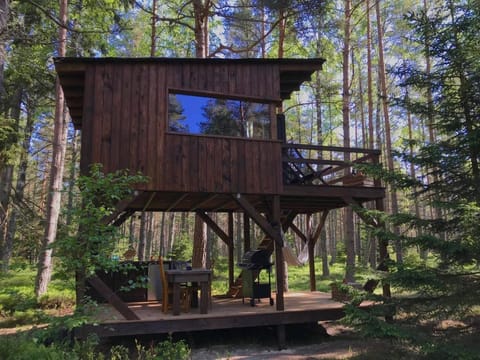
(451, 285)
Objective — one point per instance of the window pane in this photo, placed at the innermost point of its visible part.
(215, 116)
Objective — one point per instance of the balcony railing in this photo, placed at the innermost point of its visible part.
(326, 165)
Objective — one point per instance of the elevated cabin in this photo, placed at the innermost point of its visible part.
(210, 135)
(147, 115)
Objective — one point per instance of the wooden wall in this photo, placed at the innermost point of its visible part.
(229, 165)
(125, 127)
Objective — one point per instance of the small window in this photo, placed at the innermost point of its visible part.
(191, 114)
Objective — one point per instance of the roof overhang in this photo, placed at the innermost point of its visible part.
(71, 71)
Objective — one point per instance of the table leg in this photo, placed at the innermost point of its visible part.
(176, 299)
(204, 297)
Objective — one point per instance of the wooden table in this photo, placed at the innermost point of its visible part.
(201, 276)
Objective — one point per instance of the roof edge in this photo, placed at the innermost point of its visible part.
(287, 61)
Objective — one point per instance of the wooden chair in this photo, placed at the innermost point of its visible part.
(167, 292)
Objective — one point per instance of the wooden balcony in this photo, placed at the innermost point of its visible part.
(308, 178)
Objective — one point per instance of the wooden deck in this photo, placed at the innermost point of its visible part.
(300, 307)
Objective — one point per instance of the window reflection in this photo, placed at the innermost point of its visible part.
(218, 116)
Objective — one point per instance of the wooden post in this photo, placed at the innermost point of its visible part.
(279, 261)
(230, 250)
(311, 260)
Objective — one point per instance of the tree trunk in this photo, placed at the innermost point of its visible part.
(6, 179)
(6, 240)
(324, 253)
(238, 239)
(45, 265)
(142, 238)
(386, 118)
(199, 258)
(184, 223)
(430, 115)
(6, 176)
(349, 235)
(361, 106)
(201, 12)
(371, 137)
(171, 231)
(19, 192)
(153, 35)
(131, 232)
(4, 13)
(282, 24)
(149, 236)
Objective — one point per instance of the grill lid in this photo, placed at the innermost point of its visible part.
(255, 259)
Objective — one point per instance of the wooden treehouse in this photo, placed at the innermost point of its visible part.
(210, 135)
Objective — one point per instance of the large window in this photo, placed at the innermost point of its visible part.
(218, 116)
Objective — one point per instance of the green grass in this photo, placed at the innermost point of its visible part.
(18, 304)
(298, 276)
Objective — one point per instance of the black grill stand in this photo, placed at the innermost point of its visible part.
(253, 262)
(253, 289)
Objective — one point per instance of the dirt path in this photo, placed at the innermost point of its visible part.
(337, 343)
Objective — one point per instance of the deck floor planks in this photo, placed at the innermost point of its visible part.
(300, 307)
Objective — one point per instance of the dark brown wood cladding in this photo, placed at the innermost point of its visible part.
(125, 123)
(249, 80)
(220, 165)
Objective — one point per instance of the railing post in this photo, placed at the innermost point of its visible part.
(281, 131)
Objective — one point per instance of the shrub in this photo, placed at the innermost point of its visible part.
(15, 300)
(56, 300)
(169, 350)
(20, 348)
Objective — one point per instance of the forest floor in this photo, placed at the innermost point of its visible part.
(331, 340)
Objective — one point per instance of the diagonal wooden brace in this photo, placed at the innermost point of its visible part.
(112, 298)
(257, 217)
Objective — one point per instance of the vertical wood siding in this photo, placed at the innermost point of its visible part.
(125, 124)
(213, 164)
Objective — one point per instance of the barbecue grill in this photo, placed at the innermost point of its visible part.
(253, 262)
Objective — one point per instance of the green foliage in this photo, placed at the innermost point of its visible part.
(372, 323)
(18, 304)
(182, 249)
(448, 351)
(170, 350)
(23, 348)
(449, 286)
(91, 249)
(27, 348)
(8, 139)
(57, 300)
